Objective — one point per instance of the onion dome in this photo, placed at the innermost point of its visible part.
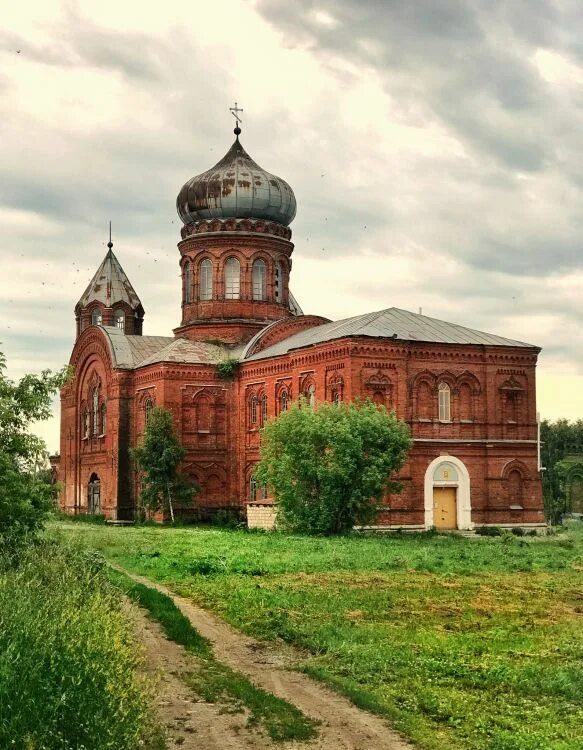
(236, 188)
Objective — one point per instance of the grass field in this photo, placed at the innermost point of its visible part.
(70, 669)
(463, 643)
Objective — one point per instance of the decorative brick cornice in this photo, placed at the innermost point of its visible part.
(248, 226)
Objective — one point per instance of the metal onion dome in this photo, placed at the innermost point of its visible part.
(236, 188)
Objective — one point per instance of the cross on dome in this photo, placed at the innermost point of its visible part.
(235, 112)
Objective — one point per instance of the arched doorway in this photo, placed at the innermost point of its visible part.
(447, 494)
(94, 495)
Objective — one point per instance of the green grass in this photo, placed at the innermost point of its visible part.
(70, 668)
(214, 681)
(465, 644)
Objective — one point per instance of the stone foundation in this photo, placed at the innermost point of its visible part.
(261, 517)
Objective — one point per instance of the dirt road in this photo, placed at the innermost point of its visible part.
(195, 724)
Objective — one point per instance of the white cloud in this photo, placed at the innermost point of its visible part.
(436, 158)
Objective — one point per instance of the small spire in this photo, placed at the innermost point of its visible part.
(110, 243)
(235, 112)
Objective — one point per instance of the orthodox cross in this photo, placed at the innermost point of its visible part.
(235, 112)
(110, 243)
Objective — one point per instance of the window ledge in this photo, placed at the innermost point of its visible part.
(204, 432)
(424, 419)
(466, 421)
(516, 507)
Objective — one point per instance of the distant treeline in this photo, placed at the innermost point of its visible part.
(558, 440)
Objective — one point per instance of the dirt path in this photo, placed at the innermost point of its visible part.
(343, 725)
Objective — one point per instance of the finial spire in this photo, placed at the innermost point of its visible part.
(235, 112)
(110, 243)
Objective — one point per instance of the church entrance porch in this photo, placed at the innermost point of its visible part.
(445, 507)
(447, 494)
(94, 495)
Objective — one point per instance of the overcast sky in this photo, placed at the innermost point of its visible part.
(434, 147)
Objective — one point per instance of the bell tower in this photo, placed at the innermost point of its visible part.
(110, 299)
(235, 252)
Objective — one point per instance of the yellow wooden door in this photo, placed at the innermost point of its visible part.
(444, 508)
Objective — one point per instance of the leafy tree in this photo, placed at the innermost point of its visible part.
(329, 467)
(158, 459)
(558, 440)
(26, 495)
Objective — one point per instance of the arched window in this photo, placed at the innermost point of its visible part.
(259, 275)
(378, 398)
(232, 279)
(263, 412)
(283, 400)
(206, 280)
(86, 424)
(515, 488)
(264, 492)
(252, 489)
(120, 319)
(311, 395)
(148, 406)
(203, 415)
(444, 402)
(336, 396)
(96, 318)
(103, 418)
(94, 495)
(465, 401)
(95, 411)
(187, 282)
(253, 410)
(278, 282)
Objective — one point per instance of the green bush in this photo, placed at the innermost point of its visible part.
(330, 467)
(488, 530)
(69, 665)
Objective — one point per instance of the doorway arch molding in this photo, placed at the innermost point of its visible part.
(463, 498)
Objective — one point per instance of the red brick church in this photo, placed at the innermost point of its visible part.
(468, 396)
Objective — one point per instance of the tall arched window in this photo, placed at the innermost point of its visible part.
(253, 410)
(95, 411)
(232, 279)
(311, 394)
(206, 280)
(96, 318)
(465, 403)
(278, 282)
(252, 489)
(86, 424)
(103, 420)
(120, 319)
(515, 488)
(203, 415)
(148, 406)
(259, 275)
(283, 400)
(444, 402)
(263, 411)
(187, 282)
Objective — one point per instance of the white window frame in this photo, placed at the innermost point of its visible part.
(206, 280)
(259, 279)
(232, 278)
(444, 402)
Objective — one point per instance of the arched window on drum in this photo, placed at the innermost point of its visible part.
(259, 278)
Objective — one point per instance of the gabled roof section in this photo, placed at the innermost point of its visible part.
(393, 323)
(131, 352)
(184, 351)
(128, 352)
(110, 285)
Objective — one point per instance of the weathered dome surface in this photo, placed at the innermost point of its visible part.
(236, 188)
